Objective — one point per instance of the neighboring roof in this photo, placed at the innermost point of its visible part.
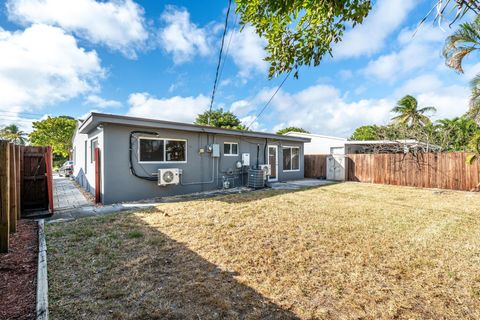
(406, 142)
(95, 119)
(380, 142)
(312, 135)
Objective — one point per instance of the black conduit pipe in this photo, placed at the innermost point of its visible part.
(132, 169)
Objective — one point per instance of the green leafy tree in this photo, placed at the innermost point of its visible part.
(292, 129)
(474, 146)
(56, 132)
(220, 119)
(409, 114)
(302, 32)
(369, 132)
(13, 134)
(455, 134)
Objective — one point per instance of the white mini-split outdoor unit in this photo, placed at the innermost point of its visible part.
(168, 176)
(267, 170)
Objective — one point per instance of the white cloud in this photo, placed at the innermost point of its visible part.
(41, 66)
(369, 37)
(101, 102)
(116, 24)
(182, 38)
(450, 100)
(177, 108)
(415, 53)
(247, 51)
(241, 108)
(324, 109)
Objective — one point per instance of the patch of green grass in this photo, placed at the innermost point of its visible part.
(135, 234)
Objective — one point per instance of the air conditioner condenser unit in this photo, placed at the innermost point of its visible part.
(168, 176)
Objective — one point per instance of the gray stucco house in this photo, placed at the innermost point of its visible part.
(133, 151)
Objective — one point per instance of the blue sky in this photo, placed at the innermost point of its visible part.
(157, 59)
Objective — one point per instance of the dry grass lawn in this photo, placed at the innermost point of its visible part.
(345, 251)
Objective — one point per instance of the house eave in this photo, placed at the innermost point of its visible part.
(96, 119)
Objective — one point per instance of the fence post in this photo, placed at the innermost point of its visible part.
(17, 179)
(49, 174)
(4, 196)
(13, 188)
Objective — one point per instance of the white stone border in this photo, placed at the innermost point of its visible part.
(42, 281)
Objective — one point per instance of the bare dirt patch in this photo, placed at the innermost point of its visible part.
(345, 251)
(18, 274)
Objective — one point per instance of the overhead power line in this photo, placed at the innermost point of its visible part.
(270, 100)
(219, 60)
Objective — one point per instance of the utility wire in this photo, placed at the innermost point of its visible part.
(270, 100)
(219, 60)
(228, 46)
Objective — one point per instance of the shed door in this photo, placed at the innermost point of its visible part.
(336, 167)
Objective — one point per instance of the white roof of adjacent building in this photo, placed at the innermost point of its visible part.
(312, 135)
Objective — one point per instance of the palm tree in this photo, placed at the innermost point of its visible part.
(463, 41)
(13, 133)
(457, 46)
(409, 114)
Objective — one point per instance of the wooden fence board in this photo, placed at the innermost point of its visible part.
(434, 170)
(315, 165)
(4, 196)
(12, 189)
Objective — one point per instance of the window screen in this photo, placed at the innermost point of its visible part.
(175, 150)
(230, 149)
(162, 150)
(291, 158)
(151, 150)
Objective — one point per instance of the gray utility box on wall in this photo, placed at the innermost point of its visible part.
(215, 150)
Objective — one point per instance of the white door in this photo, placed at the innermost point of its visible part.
(273, 162)
(336, 167)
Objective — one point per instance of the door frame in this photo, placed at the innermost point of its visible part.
(276, 161)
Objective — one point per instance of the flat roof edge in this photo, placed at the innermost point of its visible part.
(96, 119)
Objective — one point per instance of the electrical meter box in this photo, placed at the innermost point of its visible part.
(215, 150)
(246, 159)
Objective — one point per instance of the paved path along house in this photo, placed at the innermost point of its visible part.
(66, 196)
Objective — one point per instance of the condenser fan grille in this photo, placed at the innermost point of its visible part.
(168, 176)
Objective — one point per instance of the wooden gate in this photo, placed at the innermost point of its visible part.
(37, 182)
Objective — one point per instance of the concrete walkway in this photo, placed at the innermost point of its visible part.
(300, 184)
(66, 195)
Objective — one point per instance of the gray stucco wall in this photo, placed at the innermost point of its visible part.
(120, 185)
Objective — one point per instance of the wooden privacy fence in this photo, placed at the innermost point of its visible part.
(429, 170)
(16, 185)
(9, 191)
(315, 165)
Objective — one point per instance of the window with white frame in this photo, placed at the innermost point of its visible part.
(230, 149)
(291, 158)
(93, 146)
(162, 150)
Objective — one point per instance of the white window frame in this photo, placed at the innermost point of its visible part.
(164, 150)
(291, 158)
(92, 151)
(230, 154)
